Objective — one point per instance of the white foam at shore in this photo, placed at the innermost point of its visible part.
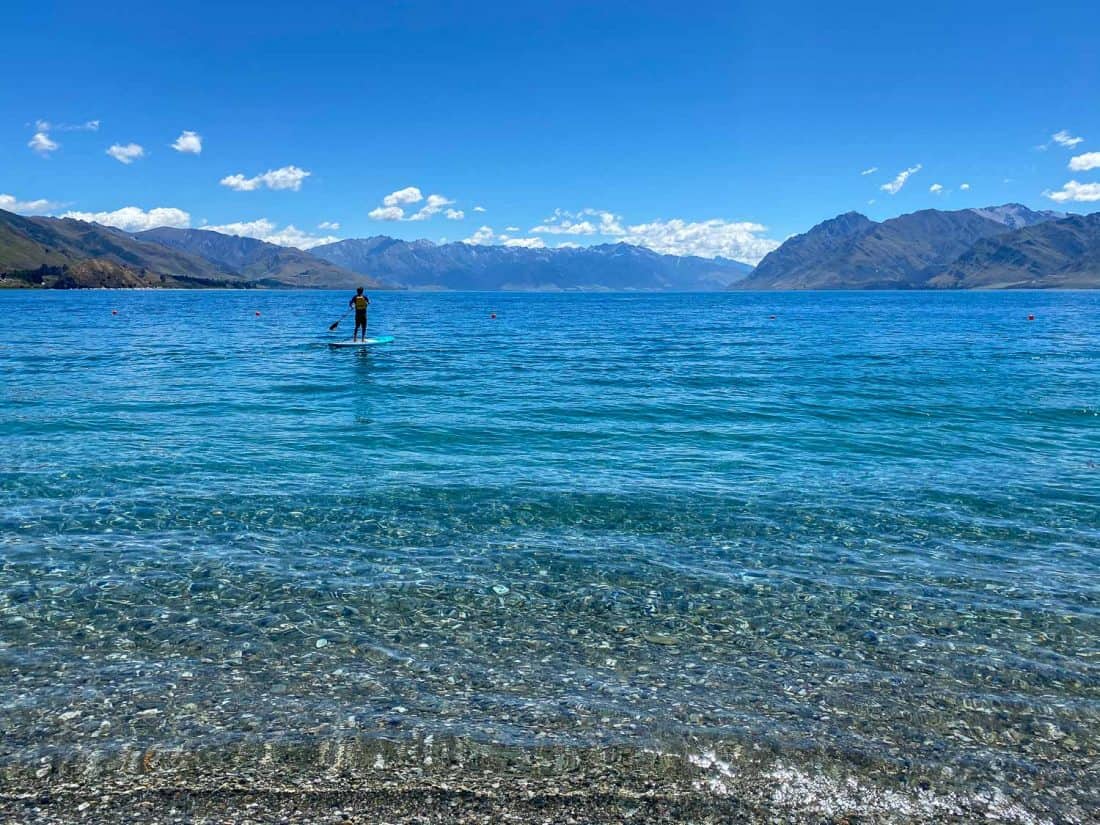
(795, 789)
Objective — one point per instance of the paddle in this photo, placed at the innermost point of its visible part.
(336, 323)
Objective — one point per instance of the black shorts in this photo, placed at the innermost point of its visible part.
(360, 317)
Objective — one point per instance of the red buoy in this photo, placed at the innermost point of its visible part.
(257, 313)
(1031, 317)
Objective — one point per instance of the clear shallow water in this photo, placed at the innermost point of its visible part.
(865, 532)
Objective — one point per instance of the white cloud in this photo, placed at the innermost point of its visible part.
(568, 245)
(563, 222)
(936, 188)
(392, 208)
(133, 219)
(42, 144)
(86, 126)
(266, 230)
(479, 208)
(35, 207)
(870, 171)
(403, 197)
(483, 235)
(894, 186)
(871, 202)
(387, 213)
(1074, 191)
(566, 227)
(126, 153)
(740, 240)
(190, 143)
(1063, 138)
(610, 224)
(330, 225)
(287, 177)
(434, 205)
(964, 187)
(1085, 162)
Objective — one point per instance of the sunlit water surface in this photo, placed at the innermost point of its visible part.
(865, 530)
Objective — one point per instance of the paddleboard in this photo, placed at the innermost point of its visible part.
(381, 339)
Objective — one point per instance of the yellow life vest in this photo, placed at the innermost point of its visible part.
(361, 303)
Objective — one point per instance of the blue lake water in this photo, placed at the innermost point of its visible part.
(862, 533)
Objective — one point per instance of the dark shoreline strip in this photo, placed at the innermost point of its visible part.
(481, 783)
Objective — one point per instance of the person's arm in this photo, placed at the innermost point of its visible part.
(351, 301)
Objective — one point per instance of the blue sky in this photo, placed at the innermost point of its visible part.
(699, 128)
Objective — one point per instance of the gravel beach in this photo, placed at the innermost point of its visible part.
(462, 782)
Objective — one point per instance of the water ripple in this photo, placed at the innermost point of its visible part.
(864, 531)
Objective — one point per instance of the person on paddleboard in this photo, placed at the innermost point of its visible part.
(360, 301)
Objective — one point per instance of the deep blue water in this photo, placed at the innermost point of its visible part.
(866, 530)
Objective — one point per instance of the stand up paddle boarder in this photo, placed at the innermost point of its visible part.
(360, 302)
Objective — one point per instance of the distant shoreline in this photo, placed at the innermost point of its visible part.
(251, 287)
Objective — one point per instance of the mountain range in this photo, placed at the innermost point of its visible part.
(425, 265)
(258, 261)
(58, 251)
(66, 253)
(1055, 254)
(996, 247)
(929, 249)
